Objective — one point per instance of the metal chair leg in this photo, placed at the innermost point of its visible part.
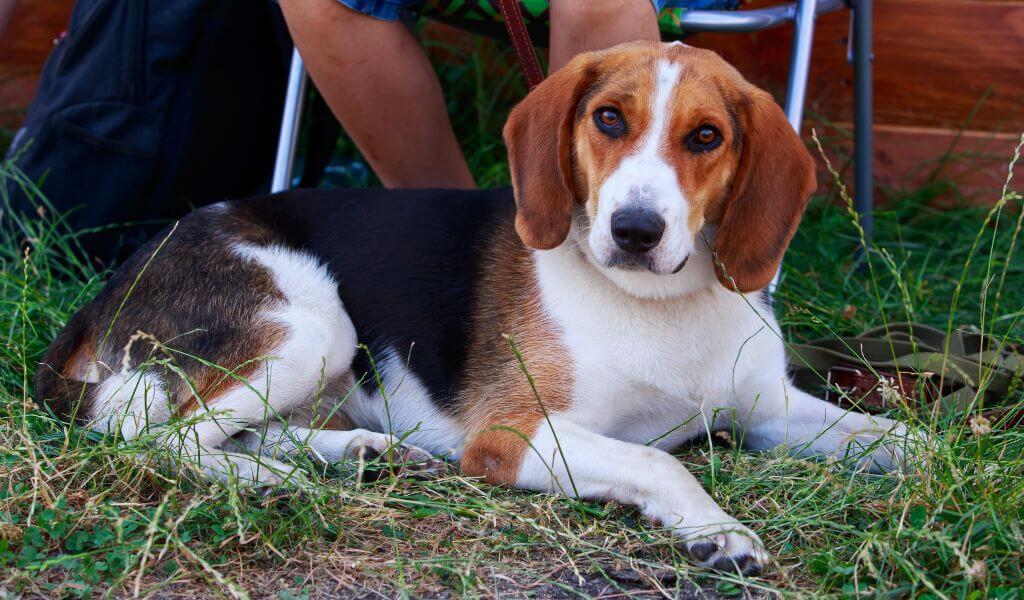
(800, 62)
(291, 120)
(799, 70)
(862, 134)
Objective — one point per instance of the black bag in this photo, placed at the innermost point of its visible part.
(147, 108)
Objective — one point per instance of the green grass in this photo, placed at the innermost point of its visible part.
(83, 515)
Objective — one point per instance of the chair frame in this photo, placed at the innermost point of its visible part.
(801, 13)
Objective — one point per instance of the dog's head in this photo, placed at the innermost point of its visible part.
(638, 153)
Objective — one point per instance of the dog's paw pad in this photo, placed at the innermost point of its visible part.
(702, 550)
(727, 546)
(746, 565)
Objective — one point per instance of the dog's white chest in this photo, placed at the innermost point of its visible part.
(639, 382)
(656, 372)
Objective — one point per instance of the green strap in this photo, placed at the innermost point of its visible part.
(972, 358)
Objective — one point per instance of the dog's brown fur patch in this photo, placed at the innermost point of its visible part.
(78, 364)
(496, 401)
(211, 310)
(212, 383)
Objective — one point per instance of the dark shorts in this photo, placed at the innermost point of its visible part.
(388, 9)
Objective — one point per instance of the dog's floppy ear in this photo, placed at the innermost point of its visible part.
(538, 135)
(772, 186)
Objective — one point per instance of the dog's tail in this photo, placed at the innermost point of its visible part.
(61, 378)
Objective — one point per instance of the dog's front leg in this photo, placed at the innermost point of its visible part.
(567, 458)
(807, 426)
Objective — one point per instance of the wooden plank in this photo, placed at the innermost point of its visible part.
(33, 27)
(966, 166)
(976, 161)
(24, 47)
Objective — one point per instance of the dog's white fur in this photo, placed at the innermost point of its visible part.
(644, 179)
(404, 407)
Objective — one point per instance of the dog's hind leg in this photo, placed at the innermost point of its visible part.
(331, 445)
(291, 351)
(201, 439)
(316, 353)
(136, 405)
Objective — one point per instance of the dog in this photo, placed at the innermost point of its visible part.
(558, 337)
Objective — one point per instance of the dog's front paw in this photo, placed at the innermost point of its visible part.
(890, 446)
(725, 545)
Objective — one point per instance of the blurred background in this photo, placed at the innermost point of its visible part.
(949, 88)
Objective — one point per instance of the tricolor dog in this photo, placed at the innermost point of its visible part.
(654, 193)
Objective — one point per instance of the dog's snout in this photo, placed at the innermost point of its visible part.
(637, 230)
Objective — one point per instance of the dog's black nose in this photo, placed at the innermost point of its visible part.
(637, 230)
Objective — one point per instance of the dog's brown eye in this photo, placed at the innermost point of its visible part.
(610, 121)
(703, 139)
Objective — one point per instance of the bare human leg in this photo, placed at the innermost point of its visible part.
(598, 24)
(380, 85)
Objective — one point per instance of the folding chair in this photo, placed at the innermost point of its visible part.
(679, 19)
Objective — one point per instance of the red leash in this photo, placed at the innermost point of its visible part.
(521, 41)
